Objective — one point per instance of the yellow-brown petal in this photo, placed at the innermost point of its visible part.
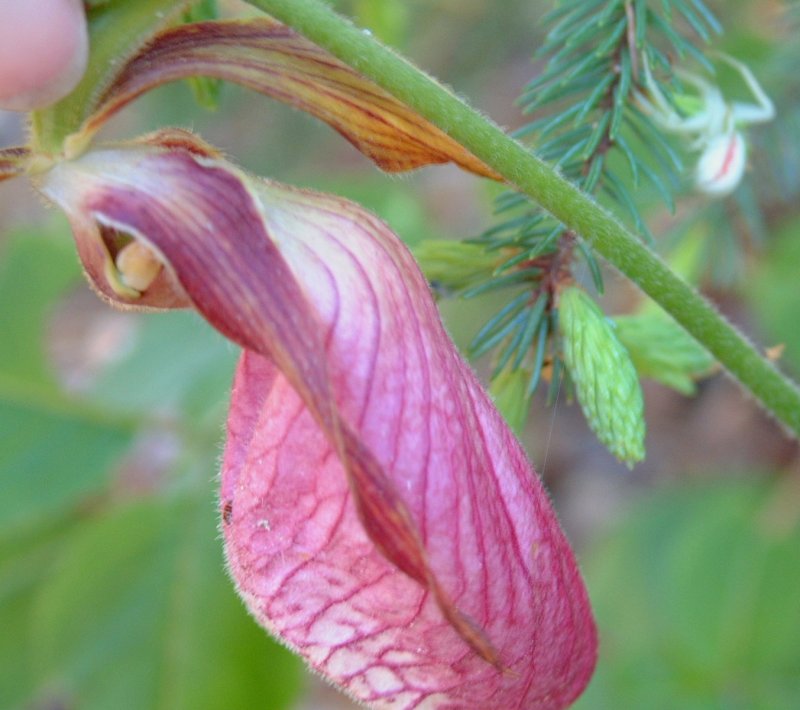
(270, 58)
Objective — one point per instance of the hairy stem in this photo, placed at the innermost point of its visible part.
(576, 210)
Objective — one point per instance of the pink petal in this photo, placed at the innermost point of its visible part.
(295, 543)
(379, 516)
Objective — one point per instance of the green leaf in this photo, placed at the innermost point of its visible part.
(178, 363)
(36, 267)
(54, 452)
(388, 19)
(508, 389)
(140, 614)
(454, 265)
(52, 456)
(664, 351)
(25, 561)
(206, 90)
(696, 598)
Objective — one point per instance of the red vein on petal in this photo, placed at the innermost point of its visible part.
(204, 221)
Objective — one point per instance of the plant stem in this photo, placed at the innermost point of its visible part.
(576, 210)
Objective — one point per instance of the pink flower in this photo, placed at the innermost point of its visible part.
(379, 516)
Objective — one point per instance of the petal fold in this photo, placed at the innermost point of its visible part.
(379, 516)
(266, 56)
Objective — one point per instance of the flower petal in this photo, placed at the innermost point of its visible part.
(270, 58)
(198, 215)
(295, 544)
(379, 515)
(13, 162)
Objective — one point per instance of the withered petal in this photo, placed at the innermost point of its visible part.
(268, 57)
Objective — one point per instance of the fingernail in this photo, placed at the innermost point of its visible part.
(43, 51)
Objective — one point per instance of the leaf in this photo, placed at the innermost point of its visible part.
(36, 267)
(696, 595)
(772, 292)
(509, 392)
(139, 614)
(268, 57)
(663, 350)
(52, 457)
(206, 91)
(177, 363)
(25, 561)
(54, 452)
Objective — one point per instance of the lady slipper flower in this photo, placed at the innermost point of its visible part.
(379, 516)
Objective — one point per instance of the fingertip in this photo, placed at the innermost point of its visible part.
(44, 48)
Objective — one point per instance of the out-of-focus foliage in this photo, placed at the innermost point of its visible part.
(112, 587)
(696, 598)
(773, 291)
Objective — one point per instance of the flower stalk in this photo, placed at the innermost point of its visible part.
(576, 210)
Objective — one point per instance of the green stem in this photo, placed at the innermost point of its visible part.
(576, 210)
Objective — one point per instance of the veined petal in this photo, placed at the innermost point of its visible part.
(13, 162)
(270, 58)
(379, 516)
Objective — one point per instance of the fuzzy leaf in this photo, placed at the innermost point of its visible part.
(509, 391)
(661, 349)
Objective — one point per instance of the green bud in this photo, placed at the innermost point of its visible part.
(508, 389)
(606, 383)
(454, 265)
(662, 350)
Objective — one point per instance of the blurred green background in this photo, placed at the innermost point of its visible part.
(113, 592)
